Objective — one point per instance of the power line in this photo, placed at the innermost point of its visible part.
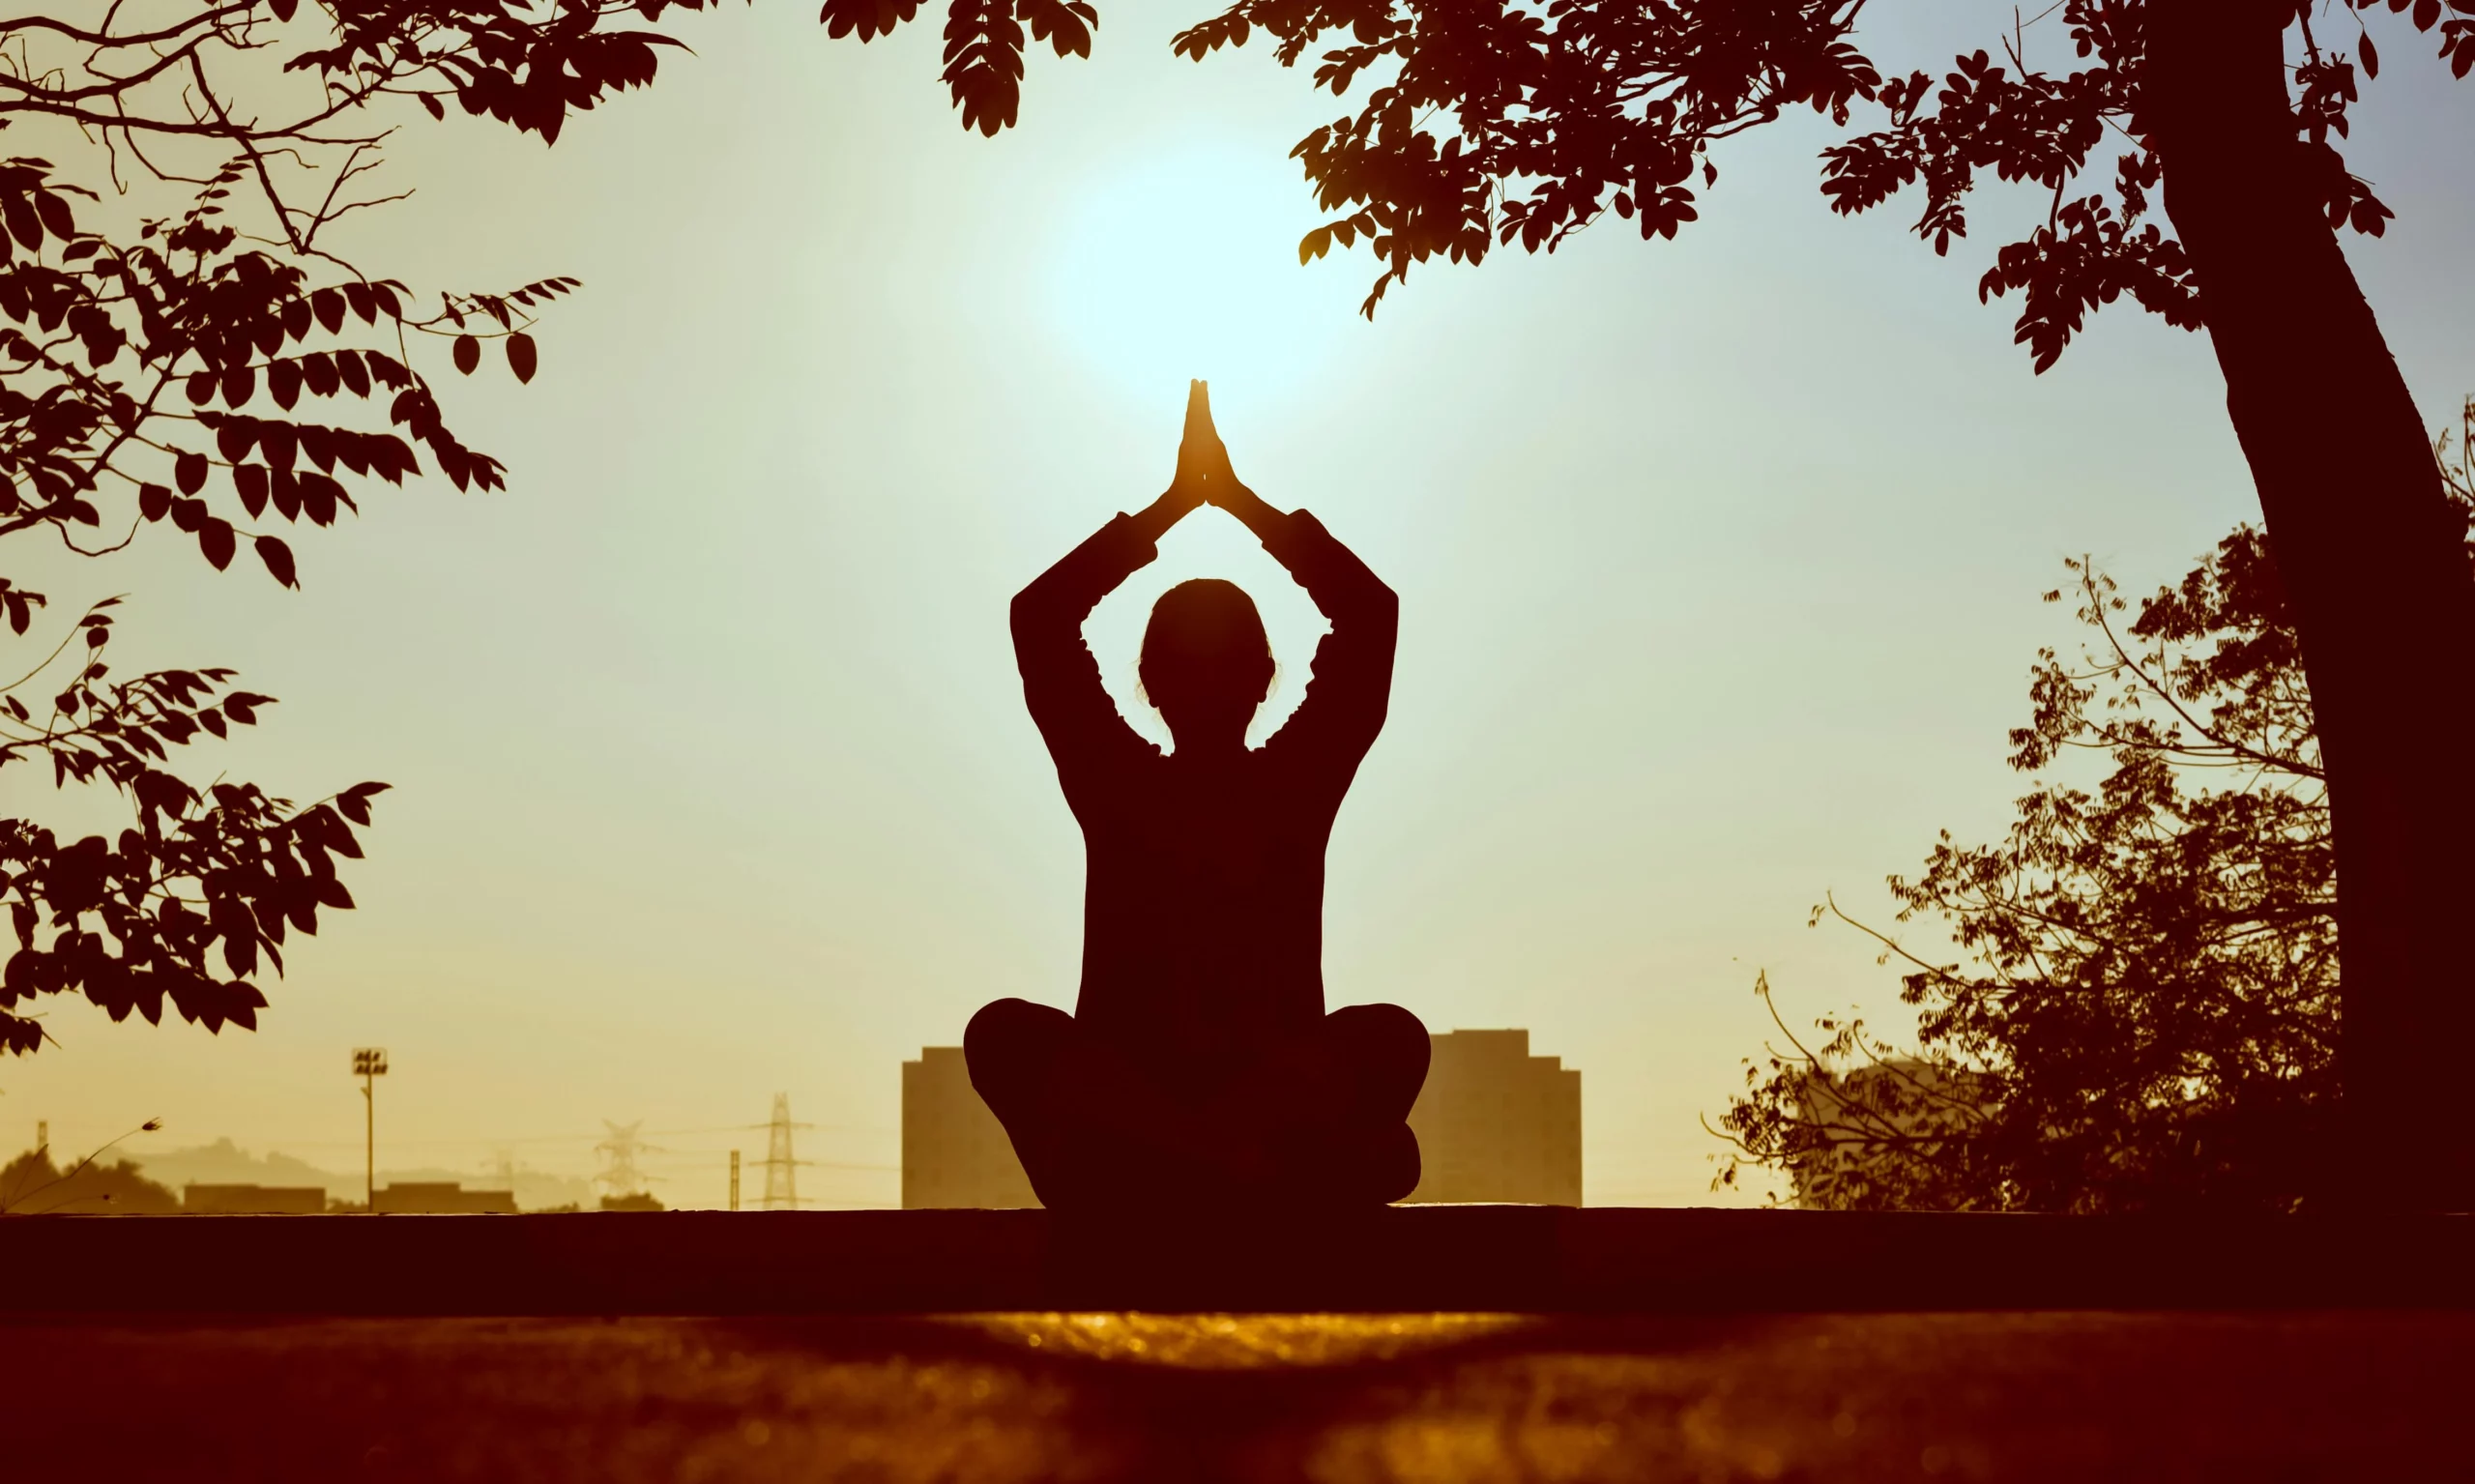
(805, 1164)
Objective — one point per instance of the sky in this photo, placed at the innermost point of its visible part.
(1719, 563)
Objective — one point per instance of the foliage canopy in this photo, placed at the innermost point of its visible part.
(213, 368)
(2147, 1014)
(1491, 125)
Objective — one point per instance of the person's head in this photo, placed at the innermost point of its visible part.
(1207, 663)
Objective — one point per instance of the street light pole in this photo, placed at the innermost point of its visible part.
(370, 1062)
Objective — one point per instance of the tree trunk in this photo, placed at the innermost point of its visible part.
(2376, 569)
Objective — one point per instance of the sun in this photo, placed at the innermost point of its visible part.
(1184, 264)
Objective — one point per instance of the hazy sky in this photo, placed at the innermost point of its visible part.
(1719, 563)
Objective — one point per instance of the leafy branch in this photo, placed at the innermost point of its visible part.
(2146, 1009)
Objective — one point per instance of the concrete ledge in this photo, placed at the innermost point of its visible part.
(1509, 1258)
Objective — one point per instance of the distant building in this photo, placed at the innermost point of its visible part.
(253, 1200)
(954, 1153)
(225, 1163)
(442, 1198)
(1495, 1124)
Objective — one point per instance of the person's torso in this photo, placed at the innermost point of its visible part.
(1203, 897)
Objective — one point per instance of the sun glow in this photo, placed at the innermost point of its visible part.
(1184, 264)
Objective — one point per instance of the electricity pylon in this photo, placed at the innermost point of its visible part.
(621, 1148)
(781, 1171)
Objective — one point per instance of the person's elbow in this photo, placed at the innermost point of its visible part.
(1024, 616)
(1380, 605)
(1364, 608)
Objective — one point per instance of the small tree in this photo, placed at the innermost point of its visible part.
(2148, 1015)
(32, 1184)
(214, 367)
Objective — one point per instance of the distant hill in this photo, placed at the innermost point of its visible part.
(226, 1163)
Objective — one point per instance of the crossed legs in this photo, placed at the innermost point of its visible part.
(1322, 1119)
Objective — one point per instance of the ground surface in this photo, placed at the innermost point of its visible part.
(1120, 1397)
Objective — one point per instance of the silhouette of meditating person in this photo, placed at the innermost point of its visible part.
(1200, 1067)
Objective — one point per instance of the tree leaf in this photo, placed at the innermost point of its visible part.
(278, 558)
(521, 358)
(18, 215)
(467, 354)
(249, 480)
(215, 539)
(54, 213)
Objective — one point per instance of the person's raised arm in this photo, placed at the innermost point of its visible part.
(1351, 685)
(1061, 681)
(1176, 502)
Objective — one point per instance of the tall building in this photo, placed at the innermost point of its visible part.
(1495, 1124)
(954, 1153)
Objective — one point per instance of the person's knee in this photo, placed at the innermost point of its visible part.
(1396, 1167)
(1386, 1050)
(994, 1025)
(1008, 1043)
(1362, 1167)
(1387, 1036)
